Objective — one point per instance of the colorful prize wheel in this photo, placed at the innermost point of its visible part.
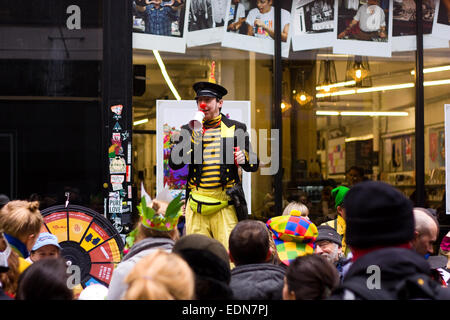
(87, 239)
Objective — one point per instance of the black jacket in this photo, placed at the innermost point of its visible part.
(260, 281)
(184, 149)
(404, 275)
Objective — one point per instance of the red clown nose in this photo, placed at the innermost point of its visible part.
(203, 106)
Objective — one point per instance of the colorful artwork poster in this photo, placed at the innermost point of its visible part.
(256, 31)
(363, 28)
(441, 23)
(336, 156)
(312, 23)
(408, 153)
(404, 26)
(397, 163)
(436, 148)
(171, 115)
(160, 25)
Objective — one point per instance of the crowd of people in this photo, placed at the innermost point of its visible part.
(379, 247)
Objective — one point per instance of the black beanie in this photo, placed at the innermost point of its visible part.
(377, 214)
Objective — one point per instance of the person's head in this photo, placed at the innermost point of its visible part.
(338, 195)
(444, 248)
(9, 267)
(426, 231)
(264, 5)
(156, 3)
(210, 263)
(46, 246)
(46, 279)
(328, 243)
(354, 175)
(373, 2)
(159, 225)
(310, 278)
(160, 276)
(22, 220)
(377, 215)
(294, 235)
(294, 205)
(3, 200)
(236, 1)
(249, 243)
(209, 98)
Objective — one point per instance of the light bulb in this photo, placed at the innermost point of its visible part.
(303, 97)
(358, 73)
(283, 105)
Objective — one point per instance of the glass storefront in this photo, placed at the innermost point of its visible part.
(346, 116)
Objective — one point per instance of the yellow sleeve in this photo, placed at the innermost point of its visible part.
(23, 264)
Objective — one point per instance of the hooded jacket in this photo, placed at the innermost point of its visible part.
(117, 287)
(403, 274)
(259, 281)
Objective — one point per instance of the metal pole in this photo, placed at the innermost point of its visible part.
(419, 114)
(277, 123)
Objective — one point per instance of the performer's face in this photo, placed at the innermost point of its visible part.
(264, 5)
(212, 108)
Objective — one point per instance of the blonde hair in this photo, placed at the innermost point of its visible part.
(160, 276)
(9, 279)
(296, 206)
(21, 218)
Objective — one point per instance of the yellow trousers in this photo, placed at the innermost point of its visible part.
(217, 225)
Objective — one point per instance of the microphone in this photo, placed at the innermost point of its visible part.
(196, 123)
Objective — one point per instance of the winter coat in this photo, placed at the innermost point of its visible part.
(260, 281)
(117, 287)
(390, 274)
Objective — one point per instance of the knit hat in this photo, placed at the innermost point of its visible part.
(445, 243)
(293, 235)
(338, 194)
(377, 214)
(329, 234)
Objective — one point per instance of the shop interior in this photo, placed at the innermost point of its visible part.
(338, 111)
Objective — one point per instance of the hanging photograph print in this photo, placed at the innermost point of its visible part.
(206, 22)
(363, 28)
(255, 29)
(404, 26)
(441, 25)
(312, 24)
(159, 25)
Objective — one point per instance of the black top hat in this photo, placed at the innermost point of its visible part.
(209, 89)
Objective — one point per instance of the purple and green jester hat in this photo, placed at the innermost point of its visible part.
(293, 235)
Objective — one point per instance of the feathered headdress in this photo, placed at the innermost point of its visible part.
(161, 222)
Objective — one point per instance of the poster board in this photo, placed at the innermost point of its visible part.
(171, 115)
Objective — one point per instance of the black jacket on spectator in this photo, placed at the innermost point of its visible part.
(260, 281)
(404, 275)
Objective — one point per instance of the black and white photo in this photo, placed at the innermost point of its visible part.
(312, 23)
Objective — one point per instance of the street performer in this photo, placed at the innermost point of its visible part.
(215, 200)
